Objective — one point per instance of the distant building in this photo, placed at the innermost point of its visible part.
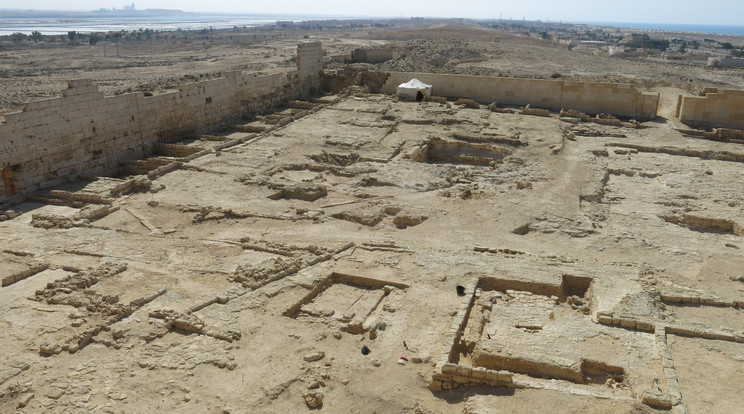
(725, 62)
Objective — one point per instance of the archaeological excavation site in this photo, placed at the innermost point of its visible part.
(314, 240)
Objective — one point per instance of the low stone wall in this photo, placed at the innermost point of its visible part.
(722, 108)
(374, 55)
(725, 62)
(83, 132)
(594, 98)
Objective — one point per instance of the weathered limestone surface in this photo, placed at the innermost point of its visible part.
(84, 132)
(720, 108)
(612, 98)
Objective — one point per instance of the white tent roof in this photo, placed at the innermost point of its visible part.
(414, 84)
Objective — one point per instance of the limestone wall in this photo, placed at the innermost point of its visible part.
(726, 62)
(310, 64)
(723, 108)
(85, 133)
(373, 55)
(615, 99)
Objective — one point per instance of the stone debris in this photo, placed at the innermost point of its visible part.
(314, 356)
(180, 321)
(313, 398)
(571, 297)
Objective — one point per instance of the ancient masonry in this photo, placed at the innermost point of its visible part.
(344, 247)
(85, 133)
(716, 108)
(616, 99)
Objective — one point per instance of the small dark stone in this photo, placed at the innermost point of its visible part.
(365, 350)
(460, 290)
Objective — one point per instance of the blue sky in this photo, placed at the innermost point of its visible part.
(723, 12)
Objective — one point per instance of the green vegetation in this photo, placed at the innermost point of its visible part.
(18, 37)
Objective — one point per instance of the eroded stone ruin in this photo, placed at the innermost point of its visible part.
(231, 247)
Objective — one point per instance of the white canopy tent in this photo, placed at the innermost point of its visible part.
(414, 89)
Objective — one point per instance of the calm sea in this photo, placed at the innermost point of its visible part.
(195, 21)
(62, 25)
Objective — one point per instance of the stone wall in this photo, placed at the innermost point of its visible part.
(726, 62)
(722, 108)
(594, 98)
(373, 55)
(310, 65)
(85, 133)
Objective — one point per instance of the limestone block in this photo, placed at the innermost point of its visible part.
(605, 319)
(505, 377)
(656, 399)
(464, 370)
(314, 356)
(708, 333)
(644, 326)
(450, 368)
(479, 372)
(628, 323)
(440, 377)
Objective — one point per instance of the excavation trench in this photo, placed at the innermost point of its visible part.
(438, 151)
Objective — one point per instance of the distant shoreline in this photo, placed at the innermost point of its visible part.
(60, 22)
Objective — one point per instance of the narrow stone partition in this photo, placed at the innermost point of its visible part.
(498, 335)
(448, 374)
(17, 277)
(358, 296)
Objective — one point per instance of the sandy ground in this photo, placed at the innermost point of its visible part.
(32, 71)
(249, 279)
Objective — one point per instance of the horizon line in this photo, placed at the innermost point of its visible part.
(362, 16)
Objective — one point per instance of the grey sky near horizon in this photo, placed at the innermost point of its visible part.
(721, 12)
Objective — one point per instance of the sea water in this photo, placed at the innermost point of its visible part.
(83, 24)
(196, 21)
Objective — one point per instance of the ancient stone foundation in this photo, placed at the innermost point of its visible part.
(83, 132)
(616, 99)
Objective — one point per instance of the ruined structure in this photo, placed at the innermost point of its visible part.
(717, 108)
(259, 248)
(554, 95)
(86, 133)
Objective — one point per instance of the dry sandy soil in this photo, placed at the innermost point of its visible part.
(250, 279)
(33, 71)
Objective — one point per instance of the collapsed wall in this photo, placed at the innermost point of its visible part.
(589, 97)
(85, 133)
(374, 55)
(719, 108)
